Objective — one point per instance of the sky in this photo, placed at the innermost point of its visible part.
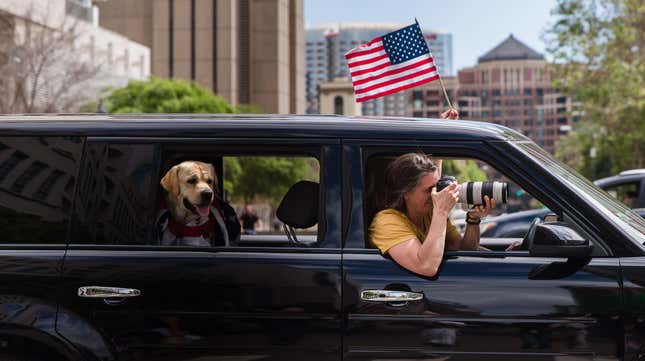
(477, 26)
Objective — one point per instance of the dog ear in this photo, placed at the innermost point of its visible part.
(215, 179)
(170, 182)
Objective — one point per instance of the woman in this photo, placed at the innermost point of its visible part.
(413, 228)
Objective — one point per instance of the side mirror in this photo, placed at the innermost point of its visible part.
(557, 239)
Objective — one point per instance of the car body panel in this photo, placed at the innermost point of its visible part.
(484, 307)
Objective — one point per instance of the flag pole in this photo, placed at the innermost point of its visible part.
(443, 87)
(444, 92)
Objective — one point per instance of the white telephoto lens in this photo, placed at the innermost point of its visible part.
(477, 192)
(463, 191)
(497, 191)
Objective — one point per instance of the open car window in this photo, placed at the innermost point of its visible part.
(505, 226)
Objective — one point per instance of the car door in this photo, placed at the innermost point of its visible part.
(481, 305)
(273, 301)
(37, 181)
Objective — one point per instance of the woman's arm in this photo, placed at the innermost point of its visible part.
(470, 242)
(425, 258)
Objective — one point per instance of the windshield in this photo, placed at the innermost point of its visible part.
(616, 211)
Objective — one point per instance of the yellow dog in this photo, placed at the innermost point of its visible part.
(192, 214)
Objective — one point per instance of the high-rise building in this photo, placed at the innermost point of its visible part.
(247, 51)
(510, 85)
(326, 46)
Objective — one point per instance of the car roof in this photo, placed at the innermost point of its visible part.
(622, 177)
(232, 125)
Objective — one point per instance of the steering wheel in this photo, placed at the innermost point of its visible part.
(528, 238)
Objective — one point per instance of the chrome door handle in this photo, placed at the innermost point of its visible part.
(107, 292)
(390, 296)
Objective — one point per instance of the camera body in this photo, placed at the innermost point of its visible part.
(473, 192)
(444, 182)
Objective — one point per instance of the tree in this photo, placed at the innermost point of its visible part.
(266, 177)
(165, 96)
(40, 65)
(599, 51)
(463, 170)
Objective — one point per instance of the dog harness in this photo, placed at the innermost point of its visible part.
(205, 231)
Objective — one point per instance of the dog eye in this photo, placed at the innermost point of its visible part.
(192, 181)
(209, 181)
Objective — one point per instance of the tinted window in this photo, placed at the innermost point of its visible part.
(115, 199)
(626, 193)
(37, 179)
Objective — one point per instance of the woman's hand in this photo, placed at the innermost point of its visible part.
(446, 199)
(451, 113)
(481, 211)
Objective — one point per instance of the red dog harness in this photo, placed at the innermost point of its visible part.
(198, 233)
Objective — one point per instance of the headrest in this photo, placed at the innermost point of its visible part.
(299, 207)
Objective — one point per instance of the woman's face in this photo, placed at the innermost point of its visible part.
(419, 199)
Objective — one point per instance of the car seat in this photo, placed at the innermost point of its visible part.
(299, 208)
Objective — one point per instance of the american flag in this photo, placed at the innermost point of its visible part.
(390, 63)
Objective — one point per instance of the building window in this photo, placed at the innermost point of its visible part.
(9, 164)
(27, 176)
(338, 105)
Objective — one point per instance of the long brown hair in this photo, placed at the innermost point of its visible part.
(402, 175)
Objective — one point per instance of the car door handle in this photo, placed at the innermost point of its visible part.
(390, 296)
(107, 292)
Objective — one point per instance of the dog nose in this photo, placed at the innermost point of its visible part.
(206, 196)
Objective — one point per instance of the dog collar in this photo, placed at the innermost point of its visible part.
(204, 230)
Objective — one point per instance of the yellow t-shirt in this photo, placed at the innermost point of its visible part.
(391, 227)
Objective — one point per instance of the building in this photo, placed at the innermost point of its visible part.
(326, 46)
(510, 85)
(115, 58)
(247, 51)
(337, 97)
(428, 100)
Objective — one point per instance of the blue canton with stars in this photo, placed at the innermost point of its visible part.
(405, 44)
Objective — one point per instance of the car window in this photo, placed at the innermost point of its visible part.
(615, 211)
(507, 223)
(197, 195)
(626, 193)
(37, 180)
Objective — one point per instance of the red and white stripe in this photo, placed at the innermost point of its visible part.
(373, 75)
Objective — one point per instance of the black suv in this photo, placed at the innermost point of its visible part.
(85, 277)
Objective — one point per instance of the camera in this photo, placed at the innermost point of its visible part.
(474, 192)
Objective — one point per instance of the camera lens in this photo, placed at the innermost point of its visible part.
(474, 192)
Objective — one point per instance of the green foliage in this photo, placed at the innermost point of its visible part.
(165, 96)
(599, 50)
(463, 170)
(89, 107)
(248, 109)
(269, 178)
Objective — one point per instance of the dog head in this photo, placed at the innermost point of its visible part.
(191, 186)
